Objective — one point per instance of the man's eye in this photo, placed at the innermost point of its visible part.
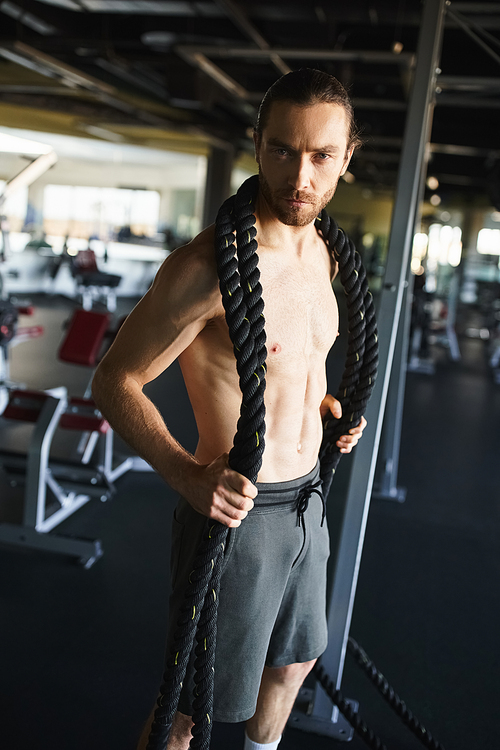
(323, 157)
(281, 152)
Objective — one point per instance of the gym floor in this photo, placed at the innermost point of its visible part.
(82, 651)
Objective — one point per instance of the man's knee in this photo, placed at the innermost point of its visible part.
(291, 672)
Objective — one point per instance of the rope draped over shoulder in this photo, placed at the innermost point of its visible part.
(239, 279)
(360, 369)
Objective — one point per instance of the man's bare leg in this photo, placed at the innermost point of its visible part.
(180, 734)
(278, 690)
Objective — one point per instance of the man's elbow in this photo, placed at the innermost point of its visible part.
(109, 384)
(97, 386)
(104, 383)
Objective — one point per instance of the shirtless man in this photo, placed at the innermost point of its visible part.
(304, 140)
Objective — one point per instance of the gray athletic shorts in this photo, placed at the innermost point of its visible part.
(272, 603)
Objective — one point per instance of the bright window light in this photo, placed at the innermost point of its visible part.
(16, 204)
(12, 144)
(445, 246)
(93, 211)
(488, 242)
(420, 245)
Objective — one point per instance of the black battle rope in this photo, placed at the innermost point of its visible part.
(362, 346)
(347, 710)
(242, 299)
(392, 698)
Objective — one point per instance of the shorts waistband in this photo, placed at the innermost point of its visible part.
(268, 488)
(275, 497)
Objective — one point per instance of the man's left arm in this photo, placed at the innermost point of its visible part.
(330, 405)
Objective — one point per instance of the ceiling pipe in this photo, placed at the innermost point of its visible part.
(241, 20)
(369, 56)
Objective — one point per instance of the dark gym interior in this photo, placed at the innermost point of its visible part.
(154, 101)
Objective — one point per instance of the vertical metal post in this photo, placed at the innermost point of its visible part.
(357, 501)
(386, 478)
(218, 181)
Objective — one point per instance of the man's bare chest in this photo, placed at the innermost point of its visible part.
(301, 314)
(300, 311)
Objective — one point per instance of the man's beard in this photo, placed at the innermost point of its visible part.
(290, 215)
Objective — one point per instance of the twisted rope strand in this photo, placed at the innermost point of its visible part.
(242, 301)
(345, 708)
(237, 214)
(362, 350)
(392, 698)
(207, 559)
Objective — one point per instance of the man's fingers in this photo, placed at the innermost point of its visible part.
(219, 516)
(330, 406)
(359, 429)
(231, 497)
(347, 442)
(241, 485)
(228, 514)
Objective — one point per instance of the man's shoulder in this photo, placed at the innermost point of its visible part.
(199, 251)
(195, 258)
(189, 274)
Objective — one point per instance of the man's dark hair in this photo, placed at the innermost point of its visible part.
(304, 88)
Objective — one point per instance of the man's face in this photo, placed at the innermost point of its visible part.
(301, 155)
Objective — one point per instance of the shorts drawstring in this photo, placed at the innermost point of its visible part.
(303, 501)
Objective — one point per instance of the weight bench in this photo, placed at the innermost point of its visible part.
(92, 283)
(71, 483)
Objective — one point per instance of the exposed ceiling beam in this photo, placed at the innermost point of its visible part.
(470, 29)
(293, 53)
(13, 88)
(241, 20)
(468, 83)
(454, 150)
(30, 20)
(130, 76)
(476, 7)
(457, 100)
(46, 65)
(200, 61)
(29, 174)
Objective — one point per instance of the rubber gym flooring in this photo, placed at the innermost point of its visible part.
(82, 651)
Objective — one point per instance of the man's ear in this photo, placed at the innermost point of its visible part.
(257, 140)
(347, 160)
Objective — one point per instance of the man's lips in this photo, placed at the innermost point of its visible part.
(296, 201)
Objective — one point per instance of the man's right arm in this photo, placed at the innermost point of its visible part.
(183, 297)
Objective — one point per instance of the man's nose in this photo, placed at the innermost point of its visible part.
(299, 175)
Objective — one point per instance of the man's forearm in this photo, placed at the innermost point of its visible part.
(137, 420)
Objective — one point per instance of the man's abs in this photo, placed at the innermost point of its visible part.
(292, 399)
(301, 323)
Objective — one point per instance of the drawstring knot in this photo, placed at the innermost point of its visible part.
(303, 501)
